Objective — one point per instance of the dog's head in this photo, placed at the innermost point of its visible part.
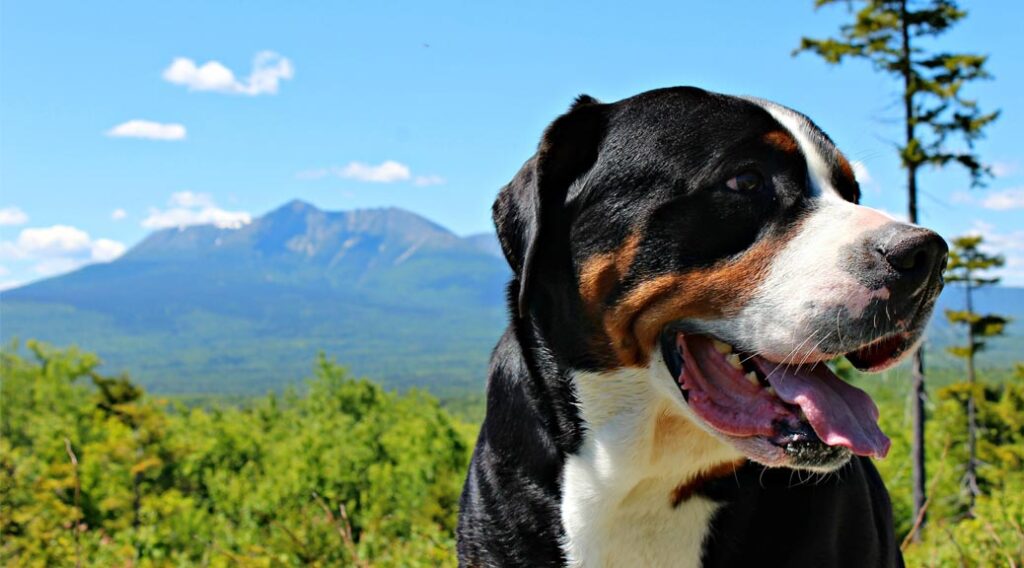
(720, 239)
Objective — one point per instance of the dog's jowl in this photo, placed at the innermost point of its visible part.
(685, 265)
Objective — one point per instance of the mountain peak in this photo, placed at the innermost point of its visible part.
(300, 229)
(298, 205)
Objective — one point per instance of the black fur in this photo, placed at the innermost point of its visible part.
(777, 517)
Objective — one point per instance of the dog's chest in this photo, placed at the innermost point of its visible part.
(618, 491)
(641, 529)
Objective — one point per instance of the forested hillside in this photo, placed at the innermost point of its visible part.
(342, 472)
(94, 472)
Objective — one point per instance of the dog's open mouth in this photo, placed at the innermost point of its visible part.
(803, 410)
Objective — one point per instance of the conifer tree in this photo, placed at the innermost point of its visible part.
(889, 34)
(966, 265)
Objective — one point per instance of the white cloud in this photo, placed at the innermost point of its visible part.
(1010, 244)
(211, 76)
(105, 250)
(1012, 241)
(268, 70)
(148, 130)
(385, 172)
(861, 172)
(388, 171)
(190, 199)
(188, 208)
(10, 251)
(59, 248)
(12, 216)
(59, 265)
(4, 271)
(1004, 169)
(8, 284)
(181, 217)
(424, 181)
(961, 197)
(118, 214)
(52, 241)
(1012, 198)
(318, 173)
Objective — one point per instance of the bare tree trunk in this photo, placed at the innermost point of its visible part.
(971, 475)
(919, 474)
(917, 447)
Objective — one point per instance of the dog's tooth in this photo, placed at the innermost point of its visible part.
(771, 391)
(734, 360)
(752, 377)
(721, 346)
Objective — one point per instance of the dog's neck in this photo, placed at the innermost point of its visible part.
(628, 494)
(629, 459)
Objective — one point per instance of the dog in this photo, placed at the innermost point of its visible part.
(685, 263)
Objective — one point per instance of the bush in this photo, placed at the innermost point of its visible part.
(94, 470)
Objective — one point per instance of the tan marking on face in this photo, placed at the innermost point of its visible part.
(633, 325)
(600, 274)
(782, 141)
(686, 489)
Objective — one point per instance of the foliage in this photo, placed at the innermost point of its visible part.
(966, 263)
(263, 481)
(888, 33)
(93, 470)
(950, 533)
(992, 535)
(992, 538)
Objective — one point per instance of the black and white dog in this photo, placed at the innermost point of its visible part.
(684, 265)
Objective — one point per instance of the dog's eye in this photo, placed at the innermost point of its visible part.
(747, 181)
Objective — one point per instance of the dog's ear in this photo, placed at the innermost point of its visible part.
(529, 210)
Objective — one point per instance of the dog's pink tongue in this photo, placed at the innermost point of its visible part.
(841, 414)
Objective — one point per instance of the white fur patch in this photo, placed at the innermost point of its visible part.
(641, 443)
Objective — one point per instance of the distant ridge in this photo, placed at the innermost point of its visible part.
(298, 227)
(388, 292)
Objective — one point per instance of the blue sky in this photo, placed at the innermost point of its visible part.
(119, 118)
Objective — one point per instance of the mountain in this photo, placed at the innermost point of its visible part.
(390, 294)
(486, 242)
(1000, 352)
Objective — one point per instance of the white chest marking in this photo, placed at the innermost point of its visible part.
(640, 445)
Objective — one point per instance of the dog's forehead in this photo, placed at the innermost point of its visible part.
(705, 124)
(674, 113)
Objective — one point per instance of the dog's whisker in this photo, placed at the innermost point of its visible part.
(783, 363)
(813, 349)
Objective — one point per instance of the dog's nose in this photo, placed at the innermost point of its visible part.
(918, 257)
